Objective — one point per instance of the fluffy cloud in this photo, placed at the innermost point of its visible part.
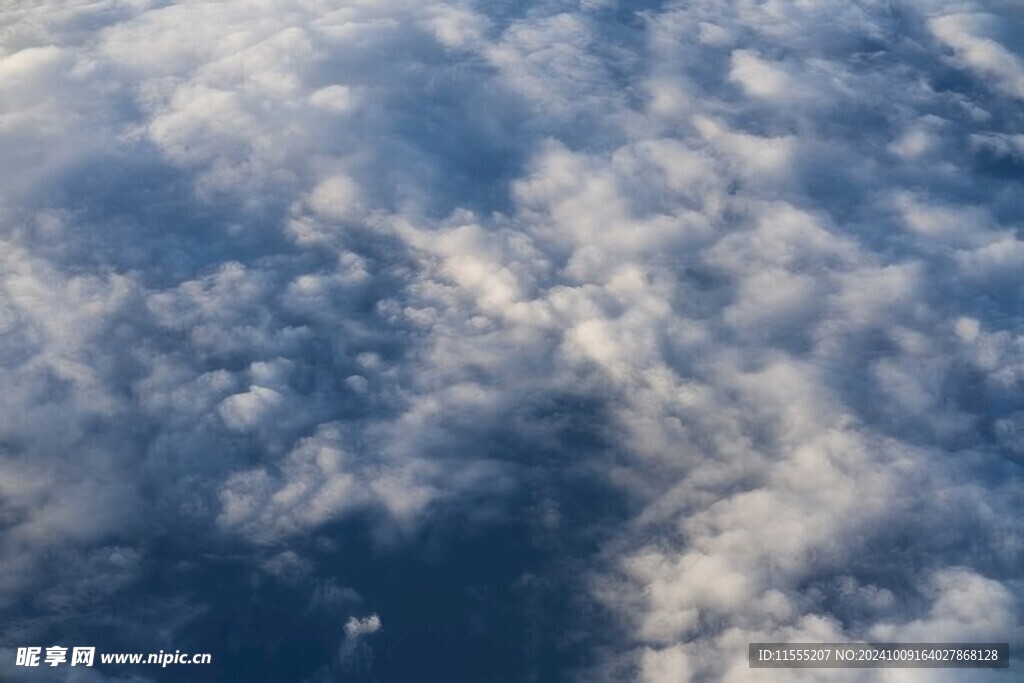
(273, 268)
(356, 628)
(970, 37)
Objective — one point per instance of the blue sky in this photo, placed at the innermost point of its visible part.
(556, 340)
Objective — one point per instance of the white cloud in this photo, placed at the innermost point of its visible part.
(969, 35)
(336, 197)
(254, 407)
(270, 266)
(356, 628)
(334, 98)
(761, 78)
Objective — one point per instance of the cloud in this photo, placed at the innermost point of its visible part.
(282, 280)
(969, 35)
(357, 628)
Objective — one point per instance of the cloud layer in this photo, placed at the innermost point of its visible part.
(272, 271)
